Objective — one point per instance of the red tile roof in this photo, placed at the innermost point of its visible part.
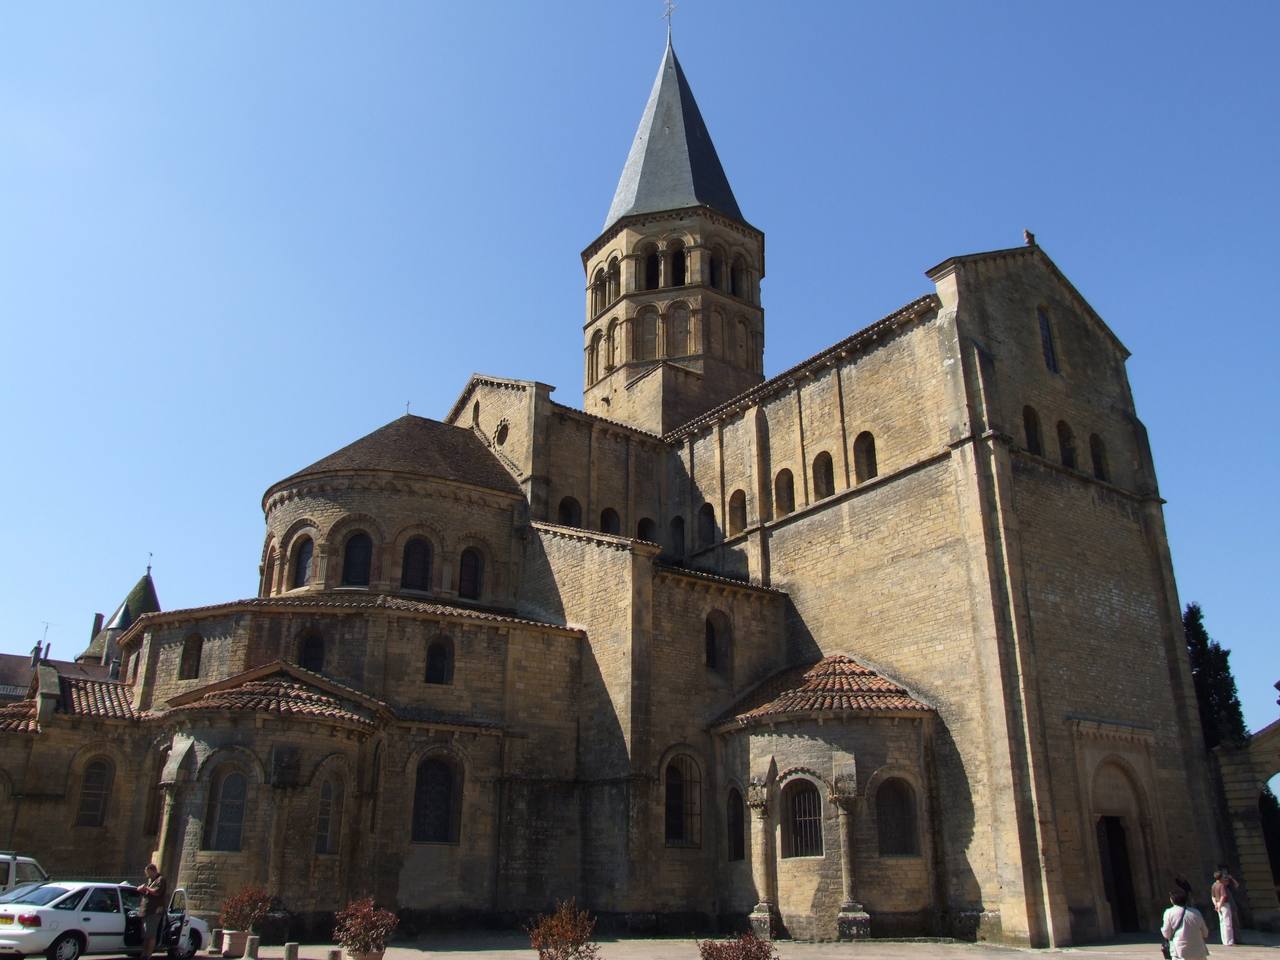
(836, 684)
(19, 717)
(99, 699)
(282, 695)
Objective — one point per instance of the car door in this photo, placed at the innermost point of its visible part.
(102, 920)
(176, 918)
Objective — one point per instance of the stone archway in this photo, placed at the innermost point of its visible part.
(1244, 772)
(1122, 837)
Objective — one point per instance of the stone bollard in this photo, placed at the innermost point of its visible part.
(215, 940)
(335, 955)
(290, 951)
(251, 948)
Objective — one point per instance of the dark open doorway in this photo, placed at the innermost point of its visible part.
(1117, 874)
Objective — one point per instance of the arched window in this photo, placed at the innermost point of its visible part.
(329, 816)
(736, 824)
(224, 818)
(742, 338)
(415, 570)
(437, 795)
(192, 648)
(896, 818)
(615, 280)
(646, 529)
(302, 562)
(357, 558)
(706, 525)
(715, 269)
(1098, 453)
(678, 331)
(652, 268)
(268, 574)
(784, 493)
(864, 456)
(719, 642)
(1066, 445)
(610, 522)
(470, 574)
(375, 785)
(801, 819)
(737, 513)
(1046, 340)
(311, 653)
(569, 513)
(683, 813)
(439, 661)
(738, 278)
(95, 793)
(676, 537)
(593, 356)
(1031, 429)
(612, 347)
(598, 292)
(824, 477)
(678, 264)
(647, 342)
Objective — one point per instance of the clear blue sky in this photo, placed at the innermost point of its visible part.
(235, 237)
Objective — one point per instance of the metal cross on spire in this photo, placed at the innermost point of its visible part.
(671, 8)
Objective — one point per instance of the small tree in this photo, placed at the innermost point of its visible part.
(246, 909)
(746, 947)
(1220, 714)
(564, 934)
(363, 928)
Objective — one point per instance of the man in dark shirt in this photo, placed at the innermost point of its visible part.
(153, 891)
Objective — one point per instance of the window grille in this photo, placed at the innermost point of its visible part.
(802, 805)
(683, 820)
(896, 818)
(434, 799)
(329, 817)
(357, 559)
(302, 562)
(192, 649)
(95, 791)
(224, 822)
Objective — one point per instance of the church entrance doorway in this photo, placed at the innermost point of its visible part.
(1117, 874)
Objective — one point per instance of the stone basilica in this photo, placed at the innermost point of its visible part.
(886, 644)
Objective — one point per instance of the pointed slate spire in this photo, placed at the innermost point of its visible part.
(141, 599)
(672, 163)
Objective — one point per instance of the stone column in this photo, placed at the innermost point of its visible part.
(168, 852)
(853, 922)
(765, 921)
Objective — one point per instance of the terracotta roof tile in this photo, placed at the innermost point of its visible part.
(282, 695)
(100, 699)
(836, 684)
(19, 717)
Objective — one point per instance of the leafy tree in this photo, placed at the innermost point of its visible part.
(1220, 715)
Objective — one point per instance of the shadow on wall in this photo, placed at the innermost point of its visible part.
(957, 894)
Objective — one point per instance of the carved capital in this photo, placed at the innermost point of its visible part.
(758, 796)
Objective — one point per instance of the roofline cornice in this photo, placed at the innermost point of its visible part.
(322, 477)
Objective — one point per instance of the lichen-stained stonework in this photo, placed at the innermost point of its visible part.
(886, 644)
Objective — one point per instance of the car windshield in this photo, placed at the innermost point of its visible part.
(17, 894)
(38, 896)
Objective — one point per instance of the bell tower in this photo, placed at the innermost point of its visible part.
(674, 325)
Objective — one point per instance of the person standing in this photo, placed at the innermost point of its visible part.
(1185, 929)
(153, 895)
(1224, 901)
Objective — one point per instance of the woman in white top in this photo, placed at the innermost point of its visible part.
(1185, 929)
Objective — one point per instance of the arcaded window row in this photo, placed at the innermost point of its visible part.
(660, 269)
(1067, 454)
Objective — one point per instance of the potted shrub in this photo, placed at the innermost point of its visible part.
(241, 914)
(363, 930)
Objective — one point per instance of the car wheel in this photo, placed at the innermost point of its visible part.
(66, 947)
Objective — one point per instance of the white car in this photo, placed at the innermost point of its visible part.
(64, 919)
(16, 871)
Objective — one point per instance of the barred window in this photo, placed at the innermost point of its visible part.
(415, 571)
(95, 791)
(735, 821)
(439, 661)
(802, 820)
(192, 649)
(896, 818)
(683, 819)
(302, 563)
(224, 818)
(357, 559)
(436, 795)
(329, 816)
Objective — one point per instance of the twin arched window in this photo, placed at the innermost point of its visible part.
(301, 573)
(737, 513)
(470, 574)
(415, 571)
(437, 802)
(192, 650)
(802, 819)
(224, 814)
(824, 477)
(864, 457)
(896, 818)
(682, 820)
(95, 792)
(784, 493)
(357, 560)
(329, 816)
(439, 661)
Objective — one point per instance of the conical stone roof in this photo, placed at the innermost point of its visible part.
(672, 163)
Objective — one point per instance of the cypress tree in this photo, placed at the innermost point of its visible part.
(1221, 717)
